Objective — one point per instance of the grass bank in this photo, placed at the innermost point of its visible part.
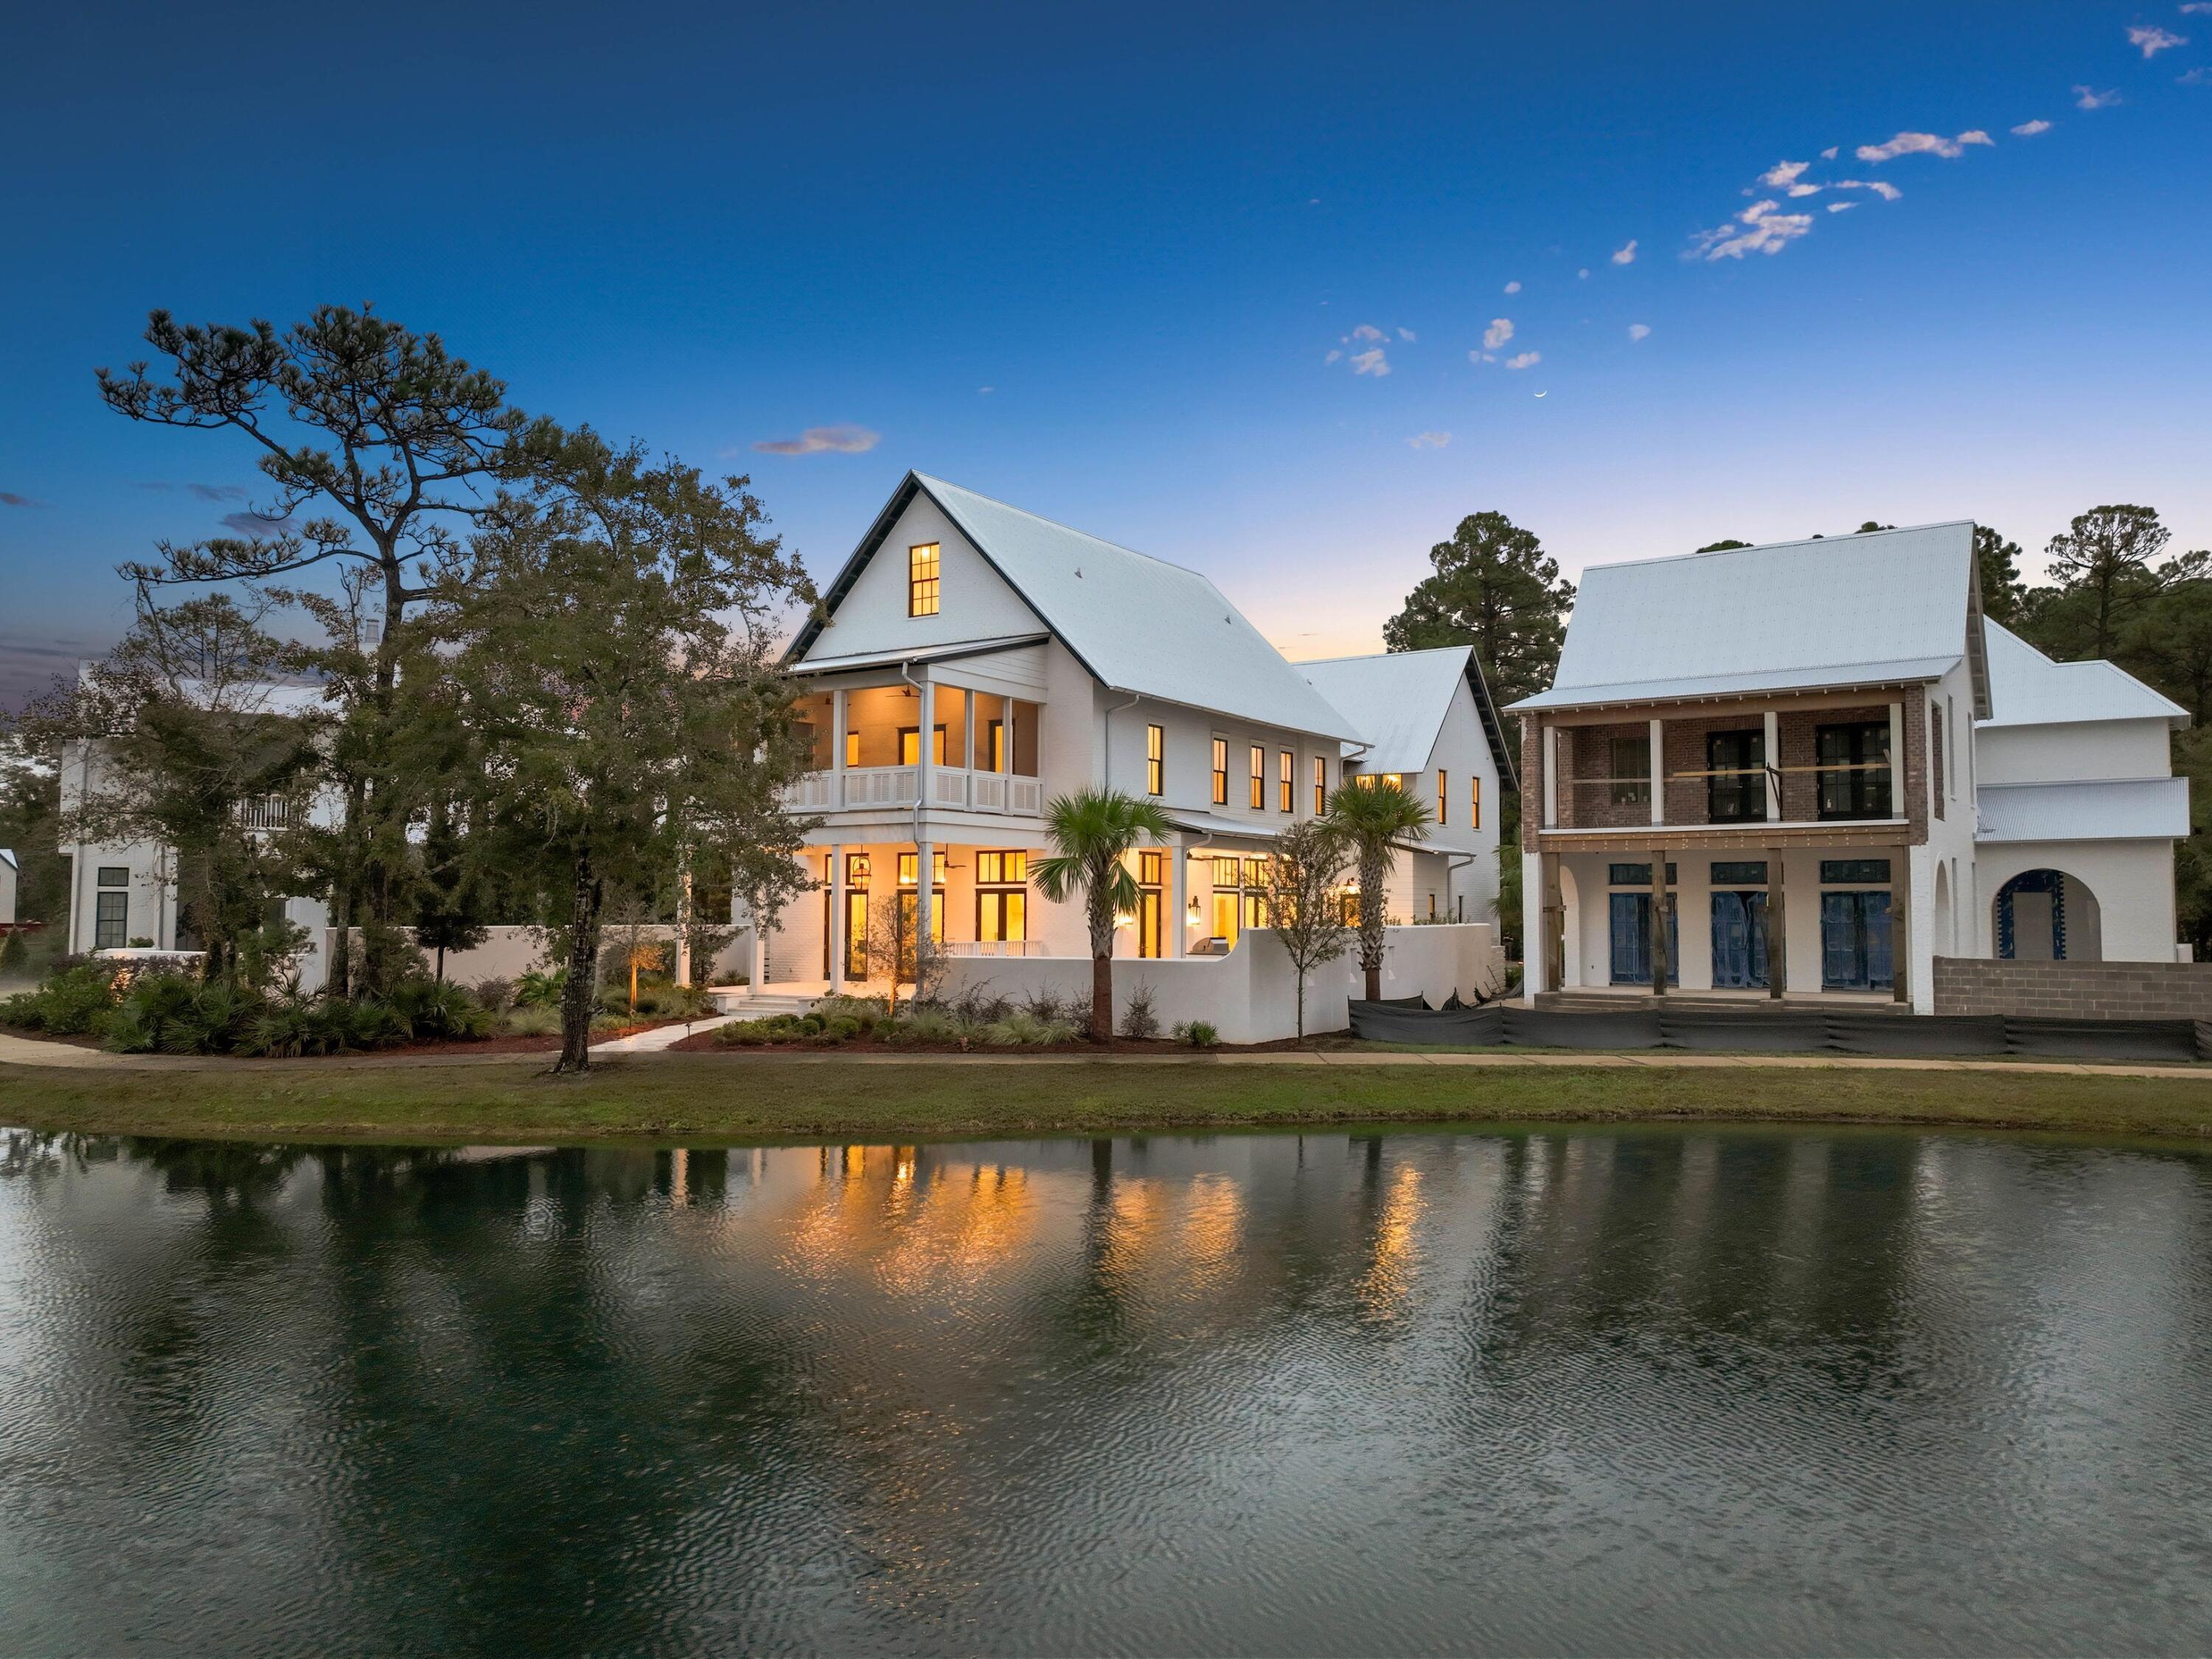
(766, 1098)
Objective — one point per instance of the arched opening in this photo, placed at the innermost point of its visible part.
(1946, 945)
(2047, 915)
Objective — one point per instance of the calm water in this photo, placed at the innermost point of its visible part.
(1749, 1392)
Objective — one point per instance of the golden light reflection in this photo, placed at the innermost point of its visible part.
(1389, 1280)
(958, 1230)
(1213, 1229)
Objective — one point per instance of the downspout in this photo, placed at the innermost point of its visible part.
(1106, 770)
(926, 737)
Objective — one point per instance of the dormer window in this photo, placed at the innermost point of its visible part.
(921, 579)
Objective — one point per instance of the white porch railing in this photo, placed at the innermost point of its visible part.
(950, 787)
(995, 947)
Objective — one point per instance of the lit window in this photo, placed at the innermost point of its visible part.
(1284, 763)
(1475, 804)
(1321, 785)
(1001, 869)
(1395, 780)
(1220, 772)
(910, 746)
(1001, 905)
(852, 748)
(1259, 778)
(856, 869)
(911, 862)
(1156, 747)
(921, 579)
(1444, 813)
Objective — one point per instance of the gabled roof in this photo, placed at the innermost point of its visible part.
(1841, 610)
(2028, 688)
(952, 652)
(1139, 625)
(1398, 700)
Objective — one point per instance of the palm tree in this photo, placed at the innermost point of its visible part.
(1092, 831)
(1373, 816)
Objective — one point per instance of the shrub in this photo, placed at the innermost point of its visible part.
(494, 996)
(932, 1025)
(972, 1008)
(430, 1012)
(1197, 1034)
(531, 1019)
(777, 1028)
(1139, 1023)
(75, 1001)
(1023, 1030)
(541, 990)
(160, 1014)
(14, 950)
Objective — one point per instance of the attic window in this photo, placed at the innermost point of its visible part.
(921, 579)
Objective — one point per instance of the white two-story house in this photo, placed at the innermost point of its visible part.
(972, 661)
(1811, 768)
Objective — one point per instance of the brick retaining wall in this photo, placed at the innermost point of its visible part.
(2075, 990)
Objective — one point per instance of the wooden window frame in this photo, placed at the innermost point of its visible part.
(1474, 803)
(925, 590)
(1321, 785)
(1444, 809)
(1156, 759)
(1286, 766)
(1258, 793)
(1221, 771)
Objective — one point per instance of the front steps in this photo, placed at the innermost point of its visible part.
(741, 1000)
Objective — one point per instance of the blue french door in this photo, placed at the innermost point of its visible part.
(1631, 938)
(1738, 940)
(1855, 942)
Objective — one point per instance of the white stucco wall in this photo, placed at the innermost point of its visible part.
(2132, 880)
(2084, 749)
(973, 602)
(1251, 994)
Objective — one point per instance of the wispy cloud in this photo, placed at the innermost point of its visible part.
(1367, 331)
(1584, 272)
(985, 391)
(1841, 207)
(253, 526)
(1499, 332)
(2197, 9)
(1829, 153)
(1639, 331)
(1370, 362)
(1759, 229)
(1782, 175)
(9, 498)
(204, 492)
(2030, 129)
(1626, 256)
(1513, 287)
(2153, 40)
(1881, 187)
(2196, 77)
(1407, 335)
(1430, 439)
(1333, 356)
(2090, 98)
(1525, 360)
(823, 440)
(1921, 143)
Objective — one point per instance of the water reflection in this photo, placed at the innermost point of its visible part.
(1751, 1391)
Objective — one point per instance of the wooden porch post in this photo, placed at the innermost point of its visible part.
(1777, 938)
(1657, 767)
(1659, 963)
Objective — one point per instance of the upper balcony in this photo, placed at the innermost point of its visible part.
(868, 756)
(1749, 769)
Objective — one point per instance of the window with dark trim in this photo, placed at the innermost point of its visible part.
(1735, 776)
(921, 579)
(1002, 896)
(1854, 872)
(1321, 785)
(1475, 804)
(1221, 772)
(1284, 763)
(1443, 808)
(111, 920)
(1854, 770)
(1156, 748)
(1259, 778)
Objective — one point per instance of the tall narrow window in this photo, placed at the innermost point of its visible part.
(921, 579)
(1220, 772)
(1853, 765)
(1156, 750)
(1475, 804)
(1444, 807)
(1259, 778)
(111, 919)
(1321, 785)
(1283, 785)
(1001, 900)
(852, 748)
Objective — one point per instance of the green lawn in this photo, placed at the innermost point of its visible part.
(763, 1098)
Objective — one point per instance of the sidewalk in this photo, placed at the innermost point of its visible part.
(27, 1051)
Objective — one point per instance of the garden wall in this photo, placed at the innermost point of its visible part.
(507, 953)
(2075, 990)
(1250, 995)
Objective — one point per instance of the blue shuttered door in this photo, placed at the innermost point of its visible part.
(1631, 915)
(1855, 942)
(1739, 941)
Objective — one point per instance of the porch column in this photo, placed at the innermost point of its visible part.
(926, 748)
(1551, 776)
(1771, 746)
(1897, 802)
(1535, 925)
(1777, 936)
(1178, 929)
(837, 716)
(758, 976)
(683, 925)
(1658, 768)
(836, 923)
(924, 889)
(1659, 963)
(1900, 909)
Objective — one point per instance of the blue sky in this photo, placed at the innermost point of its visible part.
(1095, 262)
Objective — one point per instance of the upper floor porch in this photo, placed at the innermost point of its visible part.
(943, 746)
(1863, 765)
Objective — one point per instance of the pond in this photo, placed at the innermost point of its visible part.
(1479, 1391)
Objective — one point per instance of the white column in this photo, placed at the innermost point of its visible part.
(837, 738)
(836, 919)
(1178, 929)
(759, 973)
(926, 749)
(1551, 776)
(1897, 801)
(1919, 931)
(1535, 930)
(924, 889)
(1658, 772)
(1773, 751)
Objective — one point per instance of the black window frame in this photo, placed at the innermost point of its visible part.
(1851, 789)
(1735, 784)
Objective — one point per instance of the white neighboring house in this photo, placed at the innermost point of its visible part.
(123, 896)
(1040, 660)
(9, 872)
(1826, 749)
(1426, 723)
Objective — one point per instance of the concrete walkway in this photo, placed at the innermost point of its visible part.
(30, 1051)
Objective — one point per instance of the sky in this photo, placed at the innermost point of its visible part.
(1278, 292)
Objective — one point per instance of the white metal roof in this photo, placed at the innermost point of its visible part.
(921, 653)
(1397, 700)
(7, 858)
(1885, 606)
(2123, 809)
(1137, 623)
(1214, 824)
(2028, 688)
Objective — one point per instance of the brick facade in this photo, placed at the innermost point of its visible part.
(2075, 990)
